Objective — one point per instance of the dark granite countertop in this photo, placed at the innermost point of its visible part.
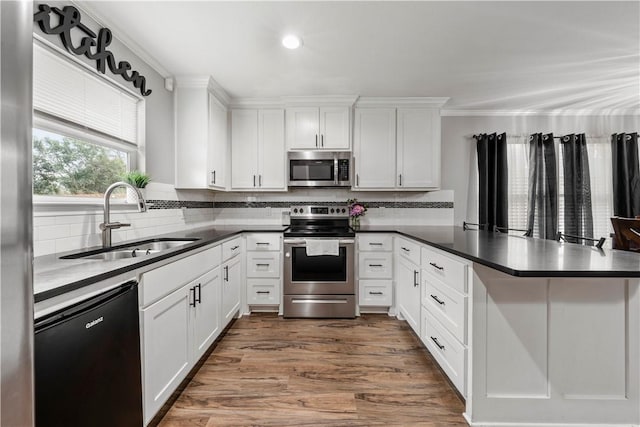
(521, 256)
(514, 255)
(54, 276)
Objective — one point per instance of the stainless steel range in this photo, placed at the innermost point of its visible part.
(319, 263)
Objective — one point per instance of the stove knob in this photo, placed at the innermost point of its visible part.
(343, 210)
(301, 210)
(332, 210)
(295, 210)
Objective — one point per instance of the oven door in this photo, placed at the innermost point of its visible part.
(318, 275)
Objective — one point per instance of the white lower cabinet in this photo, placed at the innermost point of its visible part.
(450, 354)
(166, 348)
(375, 271)
(375, 293)
(206, 311)
(231, 282)
(408, 292)
(263, 291)
(264, 266)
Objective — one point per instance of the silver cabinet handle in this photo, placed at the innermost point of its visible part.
(226, 273)
(375, 293)
(263, 292)
(254, 180)
(375, 244)
(316, 140)
(259, 180)
(322, 140)
(435, 340)
(400, 180)
(437, 299)
(357, 180)
(415, 278)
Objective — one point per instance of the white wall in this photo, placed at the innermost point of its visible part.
(457, 144)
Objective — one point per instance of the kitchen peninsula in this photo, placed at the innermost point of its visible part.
(552, 327)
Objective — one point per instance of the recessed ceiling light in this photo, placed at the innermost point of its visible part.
(291, 41)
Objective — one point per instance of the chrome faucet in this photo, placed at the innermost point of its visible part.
(107, 226)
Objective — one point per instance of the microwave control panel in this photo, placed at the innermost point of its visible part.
(343, 169)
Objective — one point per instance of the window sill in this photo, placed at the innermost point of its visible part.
(77, 205)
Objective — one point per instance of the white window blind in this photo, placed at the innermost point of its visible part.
(67, 91)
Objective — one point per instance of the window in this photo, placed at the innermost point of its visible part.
(85, 134)
(599, 152)
(68, 166)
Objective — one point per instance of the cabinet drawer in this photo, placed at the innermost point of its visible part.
(231, 248)
(375, 242)
(448, 352)
(408, 250)
(375, 293)
(157, 283)
(263, 242)
(375, 265)
(451, 271)
(263, 291)
(263, 264)
(447, 305)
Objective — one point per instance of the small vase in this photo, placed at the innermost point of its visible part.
(355, 222)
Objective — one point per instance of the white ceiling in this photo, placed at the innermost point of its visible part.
(505, 55)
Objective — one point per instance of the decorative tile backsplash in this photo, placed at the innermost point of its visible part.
(370, 204)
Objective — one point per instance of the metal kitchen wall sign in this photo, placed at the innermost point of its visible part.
(92, 45)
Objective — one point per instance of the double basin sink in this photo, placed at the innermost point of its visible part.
(131, 250)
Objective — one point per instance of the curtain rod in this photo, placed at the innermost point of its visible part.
(475, 136)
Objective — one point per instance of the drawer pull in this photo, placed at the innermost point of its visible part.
(375, 265)
(234, 248)
(434, 265)
(262, 265)
(405, 249)
(375, 293)
(375, 244)
(437, 300)
(263, 292)
(263, 243)
(435, 340)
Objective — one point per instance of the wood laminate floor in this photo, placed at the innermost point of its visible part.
(269, 371)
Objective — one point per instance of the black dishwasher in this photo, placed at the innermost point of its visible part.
(87, 363)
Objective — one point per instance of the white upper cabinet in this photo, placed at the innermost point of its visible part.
(201, 136)
(374, 148)
(397, 147)
(257, 149)
(418, 148)
(318, 128)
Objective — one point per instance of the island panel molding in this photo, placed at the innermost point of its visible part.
(92, 45)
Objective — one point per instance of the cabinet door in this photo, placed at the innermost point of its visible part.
(206, 311)
(217, 153)
(375, 148)
(271, 151)
(302, 128)
(231, 277)
(191, 137)
(244, 152)
(166, 348)
(334, 128)
(408, 292)
(418, 145)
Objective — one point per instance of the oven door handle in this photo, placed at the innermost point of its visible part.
(302, 242)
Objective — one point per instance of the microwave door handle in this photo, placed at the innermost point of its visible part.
(335, 171)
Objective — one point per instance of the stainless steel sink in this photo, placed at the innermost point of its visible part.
(131, 250)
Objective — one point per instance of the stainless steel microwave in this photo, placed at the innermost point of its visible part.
(319, 169)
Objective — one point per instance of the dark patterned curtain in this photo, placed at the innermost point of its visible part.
(543, 187)
(578, 215)
(626, 174)
(492, 180)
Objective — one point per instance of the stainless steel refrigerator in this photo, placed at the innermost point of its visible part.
(16, 254)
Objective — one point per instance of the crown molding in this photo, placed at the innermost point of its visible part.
(315, 101)
(558, 112)
(411, 101)
(205, 83)
(256, 103)
(122, 36)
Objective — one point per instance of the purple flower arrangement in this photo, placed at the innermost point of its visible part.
(356, 209)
